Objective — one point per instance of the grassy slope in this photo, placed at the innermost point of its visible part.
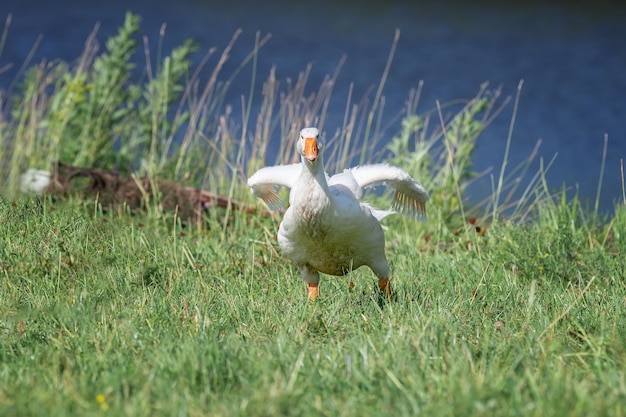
(104, 315)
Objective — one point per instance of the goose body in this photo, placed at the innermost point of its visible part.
(327, 228)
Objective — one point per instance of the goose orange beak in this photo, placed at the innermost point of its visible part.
(310, 149)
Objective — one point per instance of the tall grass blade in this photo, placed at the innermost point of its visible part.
(596, 207)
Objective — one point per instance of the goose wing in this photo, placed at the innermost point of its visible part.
(409, 196)
(265, 182)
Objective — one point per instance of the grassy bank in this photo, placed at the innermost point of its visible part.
(520, 312)
(107, 314)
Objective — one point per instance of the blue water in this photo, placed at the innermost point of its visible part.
(572, 60)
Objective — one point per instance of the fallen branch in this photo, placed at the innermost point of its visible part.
(112, 190)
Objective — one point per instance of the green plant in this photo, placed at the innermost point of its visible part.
(97, 112)
(442, 156)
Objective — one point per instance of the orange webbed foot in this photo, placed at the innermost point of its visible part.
(385, 287)
(313, 289)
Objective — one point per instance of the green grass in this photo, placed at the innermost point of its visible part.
(110, 314)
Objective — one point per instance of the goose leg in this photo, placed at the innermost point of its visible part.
(312, 280)
(383, 272)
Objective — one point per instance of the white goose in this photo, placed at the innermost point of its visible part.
(326, 228)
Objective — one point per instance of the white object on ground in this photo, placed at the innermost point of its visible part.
(34, 181)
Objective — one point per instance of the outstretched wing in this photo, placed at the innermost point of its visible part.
(266, 181)
(409, 196)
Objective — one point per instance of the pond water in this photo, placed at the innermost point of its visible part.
(572, 60)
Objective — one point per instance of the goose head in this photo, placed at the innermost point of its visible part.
(309, 145)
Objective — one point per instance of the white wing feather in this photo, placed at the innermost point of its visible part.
(265, 182)
(409, 196)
